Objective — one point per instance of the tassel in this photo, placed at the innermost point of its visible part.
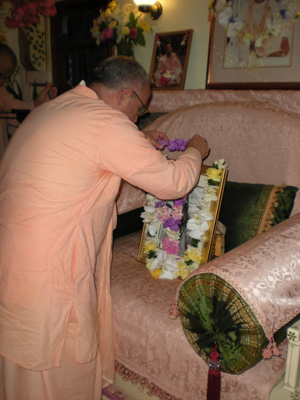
(271, 349)
(275, 350)
(214, 376)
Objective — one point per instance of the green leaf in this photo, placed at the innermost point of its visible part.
(211, 182)
(152, 254)
(140, 39)
(132, 20)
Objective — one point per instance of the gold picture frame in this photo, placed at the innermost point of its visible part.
(207, 247)
(170, 59)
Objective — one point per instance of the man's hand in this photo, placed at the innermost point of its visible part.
(200, 144)
(48, 93)
(154, 137)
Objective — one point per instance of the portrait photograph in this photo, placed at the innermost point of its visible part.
(170, 59)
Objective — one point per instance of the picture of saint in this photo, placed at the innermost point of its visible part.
(169, 69)
(169, 59)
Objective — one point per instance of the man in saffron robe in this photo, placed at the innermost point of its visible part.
(59, 179)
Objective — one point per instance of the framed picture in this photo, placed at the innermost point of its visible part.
(178, 236)
(170, 59)
(256, 48)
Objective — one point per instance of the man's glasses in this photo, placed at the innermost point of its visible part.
(4, 79)
(144, 109)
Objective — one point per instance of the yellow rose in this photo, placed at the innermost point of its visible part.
(112, 24)
(150, 246)
(144, 25)
(214, 174)
(112, 5)
(125, 30)
(107, 13)
(95, 26)
(156, 273)
(183, 274)
(194, 254)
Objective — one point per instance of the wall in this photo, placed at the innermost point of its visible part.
(180, 15)
(177, 15)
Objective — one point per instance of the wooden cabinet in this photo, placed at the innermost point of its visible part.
(74, 52)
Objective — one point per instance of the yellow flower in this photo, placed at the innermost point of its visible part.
(194, 254)
(95, 26)
(148, 264)
(214, 174)
(144, 25)
(183, 274)
(125, 30)
(112, 24)
(150, 246)
(156, 273)
(112, 5)
(107, 13)
(183, 271)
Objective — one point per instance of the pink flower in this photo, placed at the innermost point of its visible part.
(164, 81)
(162, 213)
(171, 246)
(133, 33)
(177, 212)
(107, 34)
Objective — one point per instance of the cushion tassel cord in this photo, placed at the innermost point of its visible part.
(214, 376)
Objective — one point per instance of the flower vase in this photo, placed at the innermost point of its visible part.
(125, 49)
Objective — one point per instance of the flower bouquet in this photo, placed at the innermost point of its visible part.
(123, 27)
(178, 235)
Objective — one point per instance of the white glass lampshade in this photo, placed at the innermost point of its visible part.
(144, 2)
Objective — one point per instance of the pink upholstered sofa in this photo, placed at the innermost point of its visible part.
(258, 134)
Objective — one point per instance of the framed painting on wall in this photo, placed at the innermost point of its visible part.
(254, 45)
(170, 59)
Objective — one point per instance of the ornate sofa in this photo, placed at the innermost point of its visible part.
(258, 134)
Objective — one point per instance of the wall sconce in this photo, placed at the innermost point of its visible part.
(150, 6)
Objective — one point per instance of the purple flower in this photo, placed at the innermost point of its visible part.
(171, 145)
(159, 204)
(177, 144)
(179, 202)
(163, 142)
(172, 224)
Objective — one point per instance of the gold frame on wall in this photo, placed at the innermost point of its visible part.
(207, 249)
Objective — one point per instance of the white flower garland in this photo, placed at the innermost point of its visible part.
(284, 15)
(166, 226)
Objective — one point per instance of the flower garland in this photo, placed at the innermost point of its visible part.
(238, 30)
(123, 27)
(180, 226)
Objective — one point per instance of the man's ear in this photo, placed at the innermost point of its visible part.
(124, 95)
